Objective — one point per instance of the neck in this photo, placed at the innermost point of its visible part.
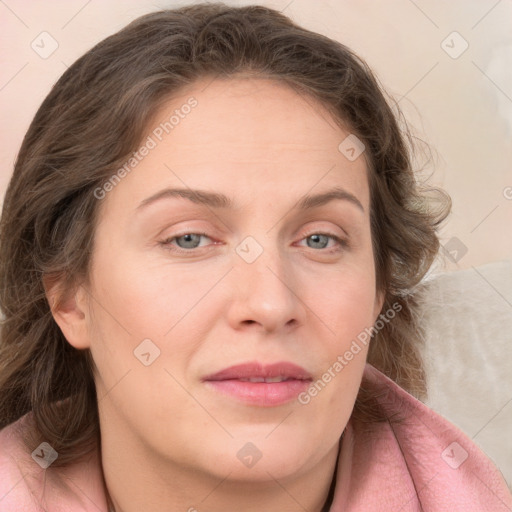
(137, 480)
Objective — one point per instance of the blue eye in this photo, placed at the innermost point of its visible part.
(321, 241)
(186, 241)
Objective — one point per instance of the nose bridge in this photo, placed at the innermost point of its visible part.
(265, 284)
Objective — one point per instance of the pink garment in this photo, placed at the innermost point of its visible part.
(420, 464)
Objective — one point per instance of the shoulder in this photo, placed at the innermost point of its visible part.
(29, 482)
(14, 492)
(442, 466)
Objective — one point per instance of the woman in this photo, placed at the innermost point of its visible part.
(208, 251)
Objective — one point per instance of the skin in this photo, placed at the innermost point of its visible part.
(169, 442)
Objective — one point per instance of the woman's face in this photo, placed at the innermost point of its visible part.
(183, 287)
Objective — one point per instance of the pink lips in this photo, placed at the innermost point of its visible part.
(263, 385)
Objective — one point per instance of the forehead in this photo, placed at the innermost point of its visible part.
(251, 111)
(249, 137)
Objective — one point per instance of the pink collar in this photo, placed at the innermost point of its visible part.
(422, 463)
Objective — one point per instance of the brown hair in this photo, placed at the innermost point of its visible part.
(92, 121)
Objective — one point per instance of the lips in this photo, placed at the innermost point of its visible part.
(258, 384)
(256, 370)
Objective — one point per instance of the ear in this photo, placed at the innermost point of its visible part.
(70, 311)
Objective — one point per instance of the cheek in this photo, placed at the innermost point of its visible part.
(346, 308)
(348, 311)
(146, 300)
(138, 299)
(344, 300)
(135, 303)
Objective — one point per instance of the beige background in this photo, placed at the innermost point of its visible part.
(461, 106)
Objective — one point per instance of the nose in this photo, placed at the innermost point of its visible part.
(266, 295)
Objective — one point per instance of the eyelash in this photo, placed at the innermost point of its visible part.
(342, 242)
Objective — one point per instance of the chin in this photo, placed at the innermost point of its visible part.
(260, 456)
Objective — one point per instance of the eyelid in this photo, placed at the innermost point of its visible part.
(342, 241)
(167, 240)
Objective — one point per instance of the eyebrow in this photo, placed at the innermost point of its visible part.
(218, 200)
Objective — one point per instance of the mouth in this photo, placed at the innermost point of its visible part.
(261, 385)
(266, 379)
